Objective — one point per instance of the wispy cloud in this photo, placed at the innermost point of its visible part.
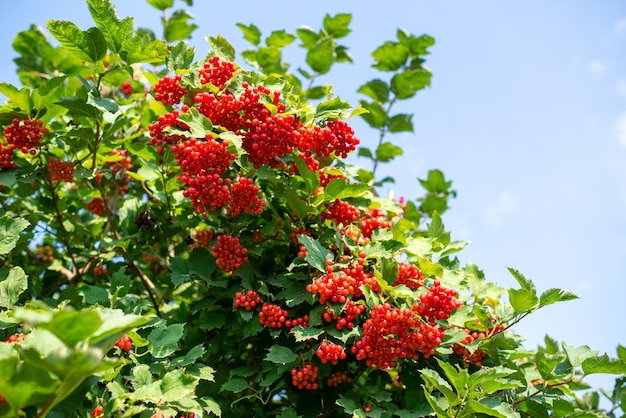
(620, 26)
(597, 68)
(620, 126)
(499, 208)
(621, 88)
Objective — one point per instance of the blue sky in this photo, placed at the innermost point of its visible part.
(526, 115)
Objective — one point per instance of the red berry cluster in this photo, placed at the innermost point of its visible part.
(269, 138)
(45, 253)
(245, 198)
(391, 334)
(338, 378)
(305, 377)
(98, 412)
(121, 161)
(100, 270)
(6, 156)
(126, 88)
(330, 352)
(437, 304)
(229, 252)
(203, 238)
(273, 316)
(302, 321)
(159, 134)
(341, 212)
(15, 338)
(333, 287)
(409, 275)
(257, 237)
(336, 138)
(374, 220)
(326, 178)
(201, 164)
(217, 72)
(169, 91)
(350, 312)
(124, 343)
(96, 206)
(3, 401)
(25, 135)
(247, 300)
(60, 171)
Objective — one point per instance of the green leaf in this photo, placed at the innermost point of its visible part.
(433, 380)
(105, 16)
(420, 246)
(390, 56)
(72, 327)
(135, 50)
(10, 230)
(554, 295)
(78, 107)
(604, 364)
(120, 283)
(309, 177)
(459, 378)
(387, 152)
(331, 107)
(321, 56)
(377, 89)
(177, 385)
(337, 26)
(222, 47)
(430, 269)
(308, 36)
(406, 84)
(199, 125)
(161, 4)
(523, 300)
(303, 334)
(19, 97)
(279, 39)
(526, 284)
(104, 104)
(487, 374)
(492, 407)
(376, 115)
(401, 122)
(317, 254)
(191, 357)
(178, 26)
(163, 341)
(12, 287)
(89, 45)
(576, 355)
(281, 355)
(93, 294)
(251, 33)
(181, 57)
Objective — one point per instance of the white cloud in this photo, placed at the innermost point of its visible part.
(498, 209)
(620, 26)
(597, 68)
(621, 88)
(620, 126)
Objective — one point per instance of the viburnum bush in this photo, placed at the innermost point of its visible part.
(182, 236)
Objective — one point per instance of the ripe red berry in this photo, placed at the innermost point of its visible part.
(60, 171)
(98, 412)
(247, 300)
(169, 91)
(124, 343)
(305, 377)
(229, 252)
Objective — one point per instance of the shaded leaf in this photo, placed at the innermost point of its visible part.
(10, 230)
(281, 355)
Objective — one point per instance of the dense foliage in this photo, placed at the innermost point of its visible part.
(185, 238)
